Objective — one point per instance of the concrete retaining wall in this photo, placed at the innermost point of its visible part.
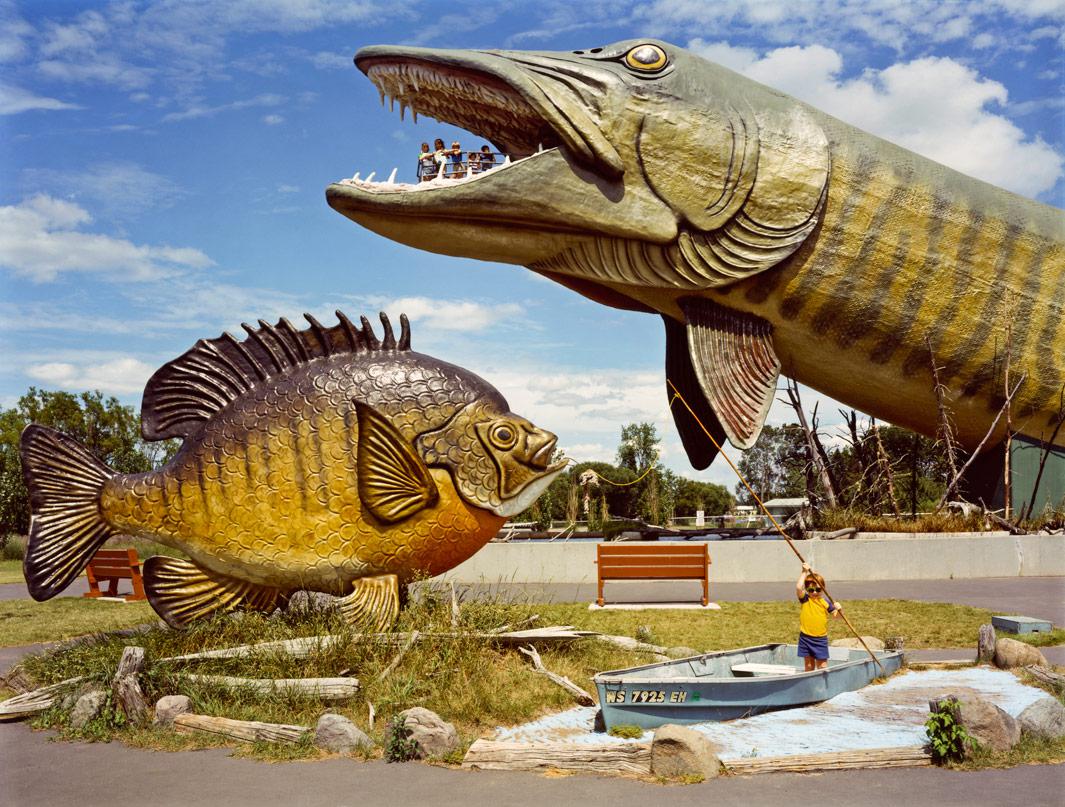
(907, 557)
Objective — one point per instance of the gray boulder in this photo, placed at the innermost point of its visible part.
(338, 734)
(169, 707)
(989, 725)
(678, 751)
(1009, 653)
(853, 644)
(431, 735)
(1044, 718)
(87, 708)
(308, 602)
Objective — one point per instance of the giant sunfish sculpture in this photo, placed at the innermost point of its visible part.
(767, 234)
(322, 459)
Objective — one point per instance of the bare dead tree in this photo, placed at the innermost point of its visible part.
(946, 427)
(884, 466)
(814, 449)
(1007, 478)
(952, 486)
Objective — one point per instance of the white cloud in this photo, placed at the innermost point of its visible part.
(200, 111)
(273, 120)
(327, 60)
(935, 106)
(119, 189)
(117, 376)
(448, 315)
(288, 189)
(899, 25)
(39, 239)
(14, 31)
(98, 69)
(14, 100)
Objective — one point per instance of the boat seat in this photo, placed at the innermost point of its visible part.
(756, 670)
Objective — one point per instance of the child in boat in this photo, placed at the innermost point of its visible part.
(813, 618)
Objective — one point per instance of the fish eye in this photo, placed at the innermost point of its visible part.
(503, 436)
(647, 58)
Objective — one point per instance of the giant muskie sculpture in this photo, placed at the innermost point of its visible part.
(767, 234)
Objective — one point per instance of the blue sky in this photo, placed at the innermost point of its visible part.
(163, 162)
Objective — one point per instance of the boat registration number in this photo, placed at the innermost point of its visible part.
(645, 696)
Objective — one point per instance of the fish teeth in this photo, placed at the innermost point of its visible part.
(370, 178)
(356, 177)
(392, 177)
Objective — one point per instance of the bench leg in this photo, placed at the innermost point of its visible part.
(112, 587)
(94, 584)
(138, 587)
(600, 601)
(706, 592)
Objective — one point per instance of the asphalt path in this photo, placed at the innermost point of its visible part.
(38, 771)
(35, 770)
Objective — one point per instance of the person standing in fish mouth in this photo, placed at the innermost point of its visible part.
(323, 459)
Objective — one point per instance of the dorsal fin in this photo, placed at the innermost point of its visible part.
(187, 392)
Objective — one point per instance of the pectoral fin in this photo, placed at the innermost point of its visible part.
(679, 371)
(181, 592)
(732, 358)
(394, 482)
(373, 603)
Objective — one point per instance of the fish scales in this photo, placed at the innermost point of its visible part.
(310, 476)
(680, 188)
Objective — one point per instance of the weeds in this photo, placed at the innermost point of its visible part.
(843, 517)
(399, 747)
(947, 737)
(626, 731)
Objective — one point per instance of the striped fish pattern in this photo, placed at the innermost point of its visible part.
(770, 236)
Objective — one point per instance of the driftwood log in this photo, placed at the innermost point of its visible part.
(327, 689)
(582, 697)
(305, 646)
(246, 730)
(836, 535)
(407, 645)
(628, 643)
(30, 703)
(906, 757)
(615, 758)
(985, 645)
(1048, 677)
(125, 689)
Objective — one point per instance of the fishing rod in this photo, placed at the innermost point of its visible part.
(786, 537)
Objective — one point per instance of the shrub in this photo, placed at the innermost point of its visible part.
(12, 547)
(947, 738)
(399, 747)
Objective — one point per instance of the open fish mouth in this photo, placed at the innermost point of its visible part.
(491, 95)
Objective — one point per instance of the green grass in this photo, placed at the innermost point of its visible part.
(1056, 636)
(11, 571)
(473, 684)
(27, 622)
(1030, 750)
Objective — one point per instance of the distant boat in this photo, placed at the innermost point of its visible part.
(730, 684)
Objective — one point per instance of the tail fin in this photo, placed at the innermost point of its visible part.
(66, 527)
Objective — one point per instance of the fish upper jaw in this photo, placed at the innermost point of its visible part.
(567, 182)
(493, 90)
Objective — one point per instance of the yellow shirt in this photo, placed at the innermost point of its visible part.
(813, 616)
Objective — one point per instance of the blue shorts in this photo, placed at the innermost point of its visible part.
(815, 646)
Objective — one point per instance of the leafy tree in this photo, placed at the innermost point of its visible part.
(693, 495)
(639, 451)
(776, 466)
(108, 429)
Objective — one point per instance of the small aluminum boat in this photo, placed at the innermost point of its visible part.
(730, 684)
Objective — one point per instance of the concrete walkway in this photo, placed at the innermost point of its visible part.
(37, 771)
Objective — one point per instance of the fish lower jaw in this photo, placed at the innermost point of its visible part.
(441, 181)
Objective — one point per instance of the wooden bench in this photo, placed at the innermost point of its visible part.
(666, 560)
(112, 565)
